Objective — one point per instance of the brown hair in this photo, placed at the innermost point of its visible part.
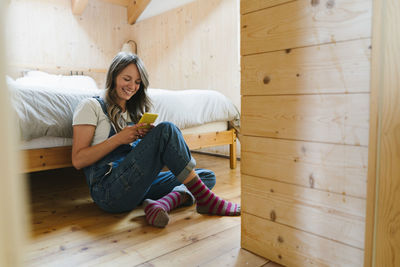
(139, 102)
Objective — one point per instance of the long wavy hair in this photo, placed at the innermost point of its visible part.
(139, 103)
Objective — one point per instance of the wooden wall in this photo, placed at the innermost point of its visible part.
(383, 206)
(194, 46)
(305, 120)
(45, 34)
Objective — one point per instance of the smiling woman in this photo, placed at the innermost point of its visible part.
(122, 160)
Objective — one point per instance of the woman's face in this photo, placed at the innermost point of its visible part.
(127, 83)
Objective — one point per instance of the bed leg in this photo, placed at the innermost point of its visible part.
(232, 151)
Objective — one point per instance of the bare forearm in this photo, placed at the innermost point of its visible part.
(89, 155)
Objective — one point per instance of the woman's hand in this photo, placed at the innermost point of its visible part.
(84, 155)
(131, 133)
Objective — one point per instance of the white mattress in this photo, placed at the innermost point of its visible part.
(48, 112)
(50, 141)
(45, 142)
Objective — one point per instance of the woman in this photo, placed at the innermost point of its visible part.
(122, 160)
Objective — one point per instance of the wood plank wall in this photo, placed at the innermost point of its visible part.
(45, 35)
(305, 101)
(195, 46)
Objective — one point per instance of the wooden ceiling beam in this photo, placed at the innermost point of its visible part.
(124, 3)
(135, 8)
(78, 6)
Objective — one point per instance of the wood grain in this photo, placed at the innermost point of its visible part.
(237, 257)
(384, 180)
(201, 252)
(47, 158)
(304, 23)
(124, 3)
(77, 43)
(376, 66)
(339, 169)
(305, 120)
(68, 229)
(195, 46)
(291, 247)
(332, 68)
(341, 119)
(332, 216)
(254, 5)
(135, 8)
(196, 141)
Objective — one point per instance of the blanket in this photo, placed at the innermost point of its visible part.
(43, 112)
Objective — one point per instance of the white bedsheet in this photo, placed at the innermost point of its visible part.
(43, 112)
(188, 108)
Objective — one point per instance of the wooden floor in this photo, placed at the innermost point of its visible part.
(68, 229)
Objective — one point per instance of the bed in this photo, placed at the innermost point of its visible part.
(44, 115)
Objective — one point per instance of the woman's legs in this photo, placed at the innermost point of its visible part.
(128, 183)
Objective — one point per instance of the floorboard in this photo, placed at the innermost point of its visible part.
(68, 229)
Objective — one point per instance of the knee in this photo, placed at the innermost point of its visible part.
(167, 126)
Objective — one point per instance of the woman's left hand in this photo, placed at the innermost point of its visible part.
(143, 131)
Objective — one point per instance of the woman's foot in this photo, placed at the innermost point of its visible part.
(157, 210)
(156, 214)
(210, 203)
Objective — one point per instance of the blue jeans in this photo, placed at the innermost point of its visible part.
(124, 178)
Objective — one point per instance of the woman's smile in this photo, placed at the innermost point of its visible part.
(129, 92)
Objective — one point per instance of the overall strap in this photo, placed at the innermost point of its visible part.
(104, 108)
(102, 104)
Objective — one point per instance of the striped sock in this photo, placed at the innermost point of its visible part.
(157, 210)
(208, 202)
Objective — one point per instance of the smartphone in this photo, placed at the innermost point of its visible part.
(148, 118)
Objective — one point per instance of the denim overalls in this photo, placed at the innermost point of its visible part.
(122, 179)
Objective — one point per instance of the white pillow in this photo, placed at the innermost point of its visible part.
(51, 81)
(9, 80)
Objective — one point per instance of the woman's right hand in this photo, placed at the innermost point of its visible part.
(131, 133)
(83, 154)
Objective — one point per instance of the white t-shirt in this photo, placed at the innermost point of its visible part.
(89, 112)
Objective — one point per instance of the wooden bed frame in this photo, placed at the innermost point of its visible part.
(60, 157)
